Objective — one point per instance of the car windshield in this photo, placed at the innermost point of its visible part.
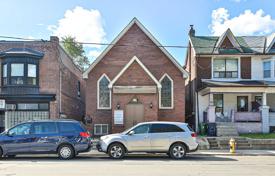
(128, 130)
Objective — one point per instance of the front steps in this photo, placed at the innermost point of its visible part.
(226, 129)
(222, 143)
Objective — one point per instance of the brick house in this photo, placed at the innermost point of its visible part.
(132, 81)
(38, 81)
(231, 82)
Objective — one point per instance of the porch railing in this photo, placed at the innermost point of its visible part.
(247, 117)
(272, 119)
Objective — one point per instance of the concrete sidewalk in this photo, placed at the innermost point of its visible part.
(238, 152)
(203, 152)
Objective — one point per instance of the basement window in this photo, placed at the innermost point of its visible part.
(100, 129)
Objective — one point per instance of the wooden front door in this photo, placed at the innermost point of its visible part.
(134, 114)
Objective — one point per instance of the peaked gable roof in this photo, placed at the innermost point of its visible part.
(128, 65)
(121, 34)
(249, 44)
(270, 43)
(227, 35)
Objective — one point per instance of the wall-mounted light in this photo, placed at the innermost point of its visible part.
(151, 105)
(118, 106)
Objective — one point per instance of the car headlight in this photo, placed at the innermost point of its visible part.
(104, 137)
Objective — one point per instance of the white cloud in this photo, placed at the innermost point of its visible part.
(247, 23)
(83, 24)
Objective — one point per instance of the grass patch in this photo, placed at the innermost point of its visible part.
(259, 136)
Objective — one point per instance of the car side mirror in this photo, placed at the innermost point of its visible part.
(10, 134)
(131, 133)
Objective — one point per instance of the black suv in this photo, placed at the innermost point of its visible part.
(66, 138)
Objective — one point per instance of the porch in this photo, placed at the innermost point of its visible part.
(251, 110)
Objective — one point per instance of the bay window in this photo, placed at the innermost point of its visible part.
(225, 68)
(5, 74)
(31, 79)
(17, 73)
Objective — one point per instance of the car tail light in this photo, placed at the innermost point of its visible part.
(84, 134)
(194, 134)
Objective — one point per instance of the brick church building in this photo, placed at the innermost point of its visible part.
(134, 80)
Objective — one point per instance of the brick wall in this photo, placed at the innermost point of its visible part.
(203, 70)
(49, 75)
(152, 57)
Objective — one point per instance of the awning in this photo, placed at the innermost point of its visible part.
(28, 97)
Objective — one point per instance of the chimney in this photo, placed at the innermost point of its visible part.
(54, 39)
(191, 31)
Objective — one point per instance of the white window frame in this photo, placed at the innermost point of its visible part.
(271, 68)
(226, 79)
(101, 125)
(110, 94)
(172, 92)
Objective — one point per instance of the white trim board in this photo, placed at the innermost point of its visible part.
(228, 33)
(172, 92)
(128, 65)
(270, 45)
(110, 93)
(122, 33)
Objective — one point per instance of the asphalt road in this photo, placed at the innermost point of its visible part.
(138, 165)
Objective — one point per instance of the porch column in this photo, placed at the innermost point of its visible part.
(265, 115)
(211, 110)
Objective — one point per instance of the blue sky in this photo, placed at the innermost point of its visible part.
(168, 20)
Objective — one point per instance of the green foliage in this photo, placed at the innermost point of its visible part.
(76, 51)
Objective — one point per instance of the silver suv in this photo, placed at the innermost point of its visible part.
(174, 138)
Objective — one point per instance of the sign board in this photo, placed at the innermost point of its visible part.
(118, 117)
(2, 104)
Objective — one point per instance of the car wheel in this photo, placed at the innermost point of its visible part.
(66, 152)
(177, 151)
(116, 151)
(1, 153)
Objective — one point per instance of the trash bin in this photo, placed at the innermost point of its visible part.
(203, 128)
(211, 129)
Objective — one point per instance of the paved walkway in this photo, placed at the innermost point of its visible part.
(210, 152)
(238, 152)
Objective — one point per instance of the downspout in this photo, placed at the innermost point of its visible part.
(60, 88)
(55, 40)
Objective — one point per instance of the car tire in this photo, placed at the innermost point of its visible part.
(66, 152)
(116, 151)
(177, 151)
(1, 153)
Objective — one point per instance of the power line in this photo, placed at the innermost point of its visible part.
(124, 45)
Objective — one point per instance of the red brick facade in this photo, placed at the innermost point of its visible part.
(135, 43)
(57, 75)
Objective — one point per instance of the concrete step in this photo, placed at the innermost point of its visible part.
(226, 129)
(244, 147)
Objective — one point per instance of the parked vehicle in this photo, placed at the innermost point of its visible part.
(67, 138)
(174, 138)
